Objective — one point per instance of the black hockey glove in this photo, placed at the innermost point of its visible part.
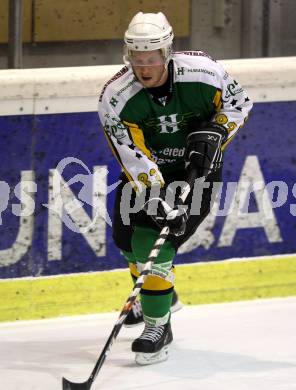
(203, 151)
(166, 211)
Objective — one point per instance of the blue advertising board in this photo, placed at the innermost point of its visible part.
(34, 243)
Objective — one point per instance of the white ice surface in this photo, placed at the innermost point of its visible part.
(235, 346)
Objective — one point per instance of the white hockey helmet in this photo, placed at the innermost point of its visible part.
(149, 31)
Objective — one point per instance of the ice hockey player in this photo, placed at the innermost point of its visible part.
(164, 114)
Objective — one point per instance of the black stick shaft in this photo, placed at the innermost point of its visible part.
(135, 292)
(131, 299)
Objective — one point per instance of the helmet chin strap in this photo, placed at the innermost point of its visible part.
(165, 70)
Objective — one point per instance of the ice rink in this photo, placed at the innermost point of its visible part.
(234, 346)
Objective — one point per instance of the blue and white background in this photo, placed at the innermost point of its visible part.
(37, 243)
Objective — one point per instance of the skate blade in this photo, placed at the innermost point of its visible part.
(176, 307)
(144, 359)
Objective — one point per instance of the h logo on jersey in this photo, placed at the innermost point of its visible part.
(180, 71)
(168, 123)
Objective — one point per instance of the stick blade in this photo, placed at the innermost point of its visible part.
(67, 385)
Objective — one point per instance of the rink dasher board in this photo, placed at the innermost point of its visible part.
(50, 114)
(105, 291)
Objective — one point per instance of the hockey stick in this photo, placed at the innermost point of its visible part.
(67, 385)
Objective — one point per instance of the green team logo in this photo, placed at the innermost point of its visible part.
(180, 71)
(169, 123)
(113, 102)
(232, 90)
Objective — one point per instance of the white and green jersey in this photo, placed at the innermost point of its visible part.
(149, 138)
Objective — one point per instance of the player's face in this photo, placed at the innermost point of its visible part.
(149, 67)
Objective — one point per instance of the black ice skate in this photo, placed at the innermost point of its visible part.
(152, 346)
(135, 316)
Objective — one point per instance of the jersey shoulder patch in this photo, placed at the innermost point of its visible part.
(118, 90)
(117, 76)
(196, 66)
